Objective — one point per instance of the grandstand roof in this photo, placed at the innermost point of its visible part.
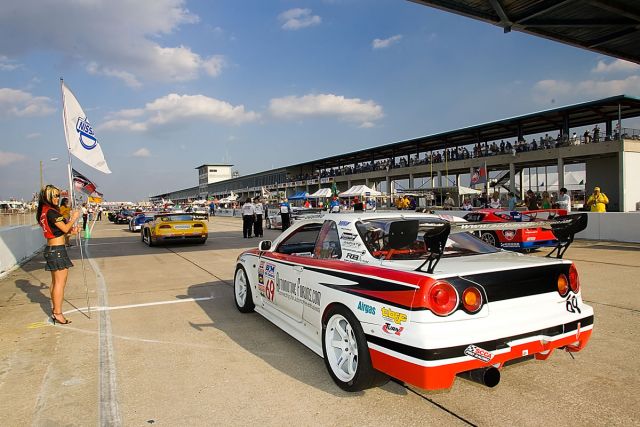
(611, 27)
(577, 115)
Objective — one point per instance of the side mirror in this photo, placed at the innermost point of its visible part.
(264, 245)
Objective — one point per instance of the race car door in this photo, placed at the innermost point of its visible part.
(283, 290)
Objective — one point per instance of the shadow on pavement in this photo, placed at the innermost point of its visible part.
(36, 294)
(263, 339)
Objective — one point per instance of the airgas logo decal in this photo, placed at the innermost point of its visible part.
(86, 134)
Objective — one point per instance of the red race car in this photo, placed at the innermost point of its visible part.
(516, 239)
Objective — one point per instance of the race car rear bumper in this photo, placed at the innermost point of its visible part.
(431, 369)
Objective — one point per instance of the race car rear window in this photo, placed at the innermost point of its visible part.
(375, 234)
(176, 218)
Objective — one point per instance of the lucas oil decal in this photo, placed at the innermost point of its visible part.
(478, 353)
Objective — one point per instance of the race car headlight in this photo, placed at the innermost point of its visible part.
(442, 298)
(563, 285)
(574, 280)
(471, 299)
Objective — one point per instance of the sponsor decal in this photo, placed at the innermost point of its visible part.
(393, 316)
(571, 304)
(530, 239)
(270, 290)
(343, 223)
(295, 291)
(510, 245)
(350, 256)
(261, 273)
(392, 329)
(270, 270)
(349, 244)
(348, 236)
(509, 234)
(478, 353)
(366, 308)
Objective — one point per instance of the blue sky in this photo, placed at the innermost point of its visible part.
(172, 84)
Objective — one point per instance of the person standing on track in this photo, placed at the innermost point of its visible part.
(55, 228)
(285, 214)
(248, 218)
(257, 225)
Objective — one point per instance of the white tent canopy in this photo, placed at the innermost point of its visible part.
(463, 191)
(360, 191)
(321, 193)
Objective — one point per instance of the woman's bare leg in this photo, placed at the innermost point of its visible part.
(57, 289)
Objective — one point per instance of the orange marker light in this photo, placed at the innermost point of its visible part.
(472, 299)
(563, 285)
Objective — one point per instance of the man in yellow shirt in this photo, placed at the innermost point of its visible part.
(598, 201)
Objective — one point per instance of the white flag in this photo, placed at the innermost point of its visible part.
(81, 139)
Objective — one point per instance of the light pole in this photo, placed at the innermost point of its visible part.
(53, 159)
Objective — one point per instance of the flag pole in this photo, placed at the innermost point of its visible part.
(72, 196)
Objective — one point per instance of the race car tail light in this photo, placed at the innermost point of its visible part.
(563, 285)
(574, 280)
(165, 226)
(442, 298)
(472, 299)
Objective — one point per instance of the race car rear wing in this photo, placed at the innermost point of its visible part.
(402, 233)
(565, 228)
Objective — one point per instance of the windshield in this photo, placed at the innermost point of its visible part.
(176, 218)
(375, 234)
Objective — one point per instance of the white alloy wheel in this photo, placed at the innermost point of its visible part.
(242, 291)
(342, 348)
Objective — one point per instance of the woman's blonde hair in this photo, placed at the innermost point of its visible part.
(46, 198)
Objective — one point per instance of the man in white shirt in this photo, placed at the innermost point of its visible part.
(448, 202)
(248, 217)
(564, 201)
(259, 210)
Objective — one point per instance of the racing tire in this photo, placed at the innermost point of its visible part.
(490, 238)
(242, 291)
(147, 238)
(349, 366)
(202, 241)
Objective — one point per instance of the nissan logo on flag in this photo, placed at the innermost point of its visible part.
(85, 132)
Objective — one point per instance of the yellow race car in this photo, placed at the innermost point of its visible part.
(175, 227)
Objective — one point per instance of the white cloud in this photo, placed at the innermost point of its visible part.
(7, 64)
(6, 158)
(564, 91)
(174, 108)
(327, 105)
(617, 66)
(384, 43)
(143, 152)
(17, 103)
(295, 19)
(117, 38)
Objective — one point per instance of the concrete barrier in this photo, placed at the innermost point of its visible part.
(18, 244)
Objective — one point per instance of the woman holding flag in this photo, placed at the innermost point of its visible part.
(55, 228)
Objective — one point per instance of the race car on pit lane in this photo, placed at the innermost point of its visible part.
(135, 223)
(415, 297)
(516, 239)
(274, 219)
(175, 227)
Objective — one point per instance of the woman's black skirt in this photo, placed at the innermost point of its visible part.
(57, 258)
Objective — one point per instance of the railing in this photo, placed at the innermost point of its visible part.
(629, 133)
(20, 218)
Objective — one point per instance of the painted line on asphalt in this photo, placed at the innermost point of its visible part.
(145, 304)
(109, 412)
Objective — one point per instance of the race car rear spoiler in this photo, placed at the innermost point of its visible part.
(402, 233)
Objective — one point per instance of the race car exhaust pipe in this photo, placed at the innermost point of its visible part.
(489, 377)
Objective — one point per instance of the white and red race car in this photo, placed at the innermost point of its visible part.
(414, 297)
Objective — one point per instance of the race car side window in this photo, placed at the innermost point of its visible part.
(328, 243)
(302, 241)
